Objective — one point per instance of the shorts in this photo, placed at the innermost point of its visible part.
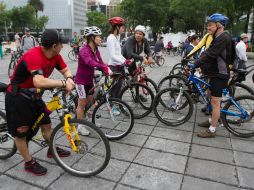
(83, 90)
(21, 111)
(217, 85)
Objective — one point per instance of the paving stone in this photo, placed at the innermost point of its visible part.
(53, 173)
(172, 134)
(211, 153)
(241, 145)
(244, 159)
(165, 161)
(188, 126)
(212, 170)
(246, 177)
(220, 142)
(220, 131)
(10, 162)
(123, 187)
(149, 178)
(191, 183)
(147, 120)
(114, 170)
(7, 183)
(167, 146)
(123, 151)
(67, 182)
(133, 139)
(142, 129)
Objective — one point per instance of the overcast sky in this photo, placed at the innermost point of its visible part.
(104, 2)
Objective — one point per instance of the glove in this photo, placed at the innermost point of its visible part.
(108, 71)
(128, 62)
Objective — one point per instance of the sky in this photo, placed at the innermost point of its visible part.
(104, 2)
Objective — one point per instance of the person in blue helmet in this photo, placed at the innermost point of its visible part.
(215, 64)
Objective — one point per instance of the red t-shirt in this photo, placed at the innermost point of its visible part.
(34, 59)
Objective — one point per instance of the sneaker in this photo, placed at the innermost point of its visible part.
(82, 130)
(205, 124)
(206, 134)
(61, 152)
(115, 111)
(142, 98)
(35, 168)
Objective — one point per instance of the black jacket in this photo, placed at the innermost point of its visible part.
(216, 59)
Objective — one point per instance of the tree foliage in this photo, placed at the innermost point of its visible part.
(98, 19)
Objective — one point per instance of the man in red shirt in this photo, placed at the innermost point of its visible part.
(22, 109)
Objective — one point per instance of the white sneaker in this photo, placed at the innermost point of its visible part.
(82, 130)
(115, 111)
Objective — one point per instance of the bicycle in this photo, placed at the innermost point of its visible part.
(73, 53)
(89, 155)
(180, 100)
(114, 126)
(15, 56)
(159, 60)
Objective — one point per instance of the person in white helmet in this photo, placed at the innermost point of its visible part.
(89, 57)
(137, 48)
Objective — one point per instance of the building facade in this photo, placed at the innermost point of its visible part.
(67, 16)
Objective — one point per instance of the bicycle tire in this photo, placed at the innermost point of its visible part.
(232, 89)
(228, 124)
(135, 99)
(175, 122)
(167, 81)
(11, 68)
(72, 56)
(119, 130)
(153, 86)
(4, 131)
(95, 148)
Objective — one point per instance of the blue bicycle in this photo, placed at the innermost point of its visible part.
(174, 105)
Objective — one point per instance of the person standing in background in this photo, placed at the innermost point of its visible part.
(241, 51)
(27, 41)
(17, 41)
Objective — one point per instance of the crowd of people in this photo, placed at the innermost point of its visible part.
(38, 62)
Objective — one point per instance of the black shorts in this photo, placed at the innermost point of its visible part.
(21, 111)
(217, 85)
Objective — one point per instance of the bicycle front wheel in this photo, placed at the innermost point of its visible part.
(72, 56)
(139, 97)
(233, 118)
(94, 150)
(115, 118)
(173, 107)
(7, 143)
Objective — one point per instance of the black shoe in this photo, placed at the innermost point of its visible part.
(35, 168)
(142, 98)
(61, 152)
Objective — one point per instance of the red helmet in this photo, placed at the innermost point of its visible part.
(117, 21)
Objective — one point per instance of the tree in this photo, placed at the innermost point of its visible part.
(38, 6)
(5, 17)
(154, 13)
(98, 19)
(42, 21)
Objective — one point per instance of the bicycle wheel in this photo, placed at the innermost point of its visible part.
(7, 143)
(239, 89)
(234, 121)
(176, 81)
(11, 68)
(139, 97)
(114, 125)
(94, 150)
(179, 106)
(162, 61)
(72, 56)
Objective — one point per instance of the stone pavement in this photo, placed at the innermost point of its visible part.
(153, 156)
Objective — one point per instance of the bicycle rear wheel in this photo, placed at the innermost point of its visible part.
(139, 97)
(11, 68)
(234, 121)
(72, 55)
(176, 109)
(94, 150)
(115, 125)
(7, 143)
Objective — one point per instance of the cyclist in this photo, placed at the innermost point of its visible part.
(89, 58)
(75, 42)
(193, 42)
(216, 62)
(23, 106)
(137, 48)
(158, 48)
(116, 60)
(27, 41)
